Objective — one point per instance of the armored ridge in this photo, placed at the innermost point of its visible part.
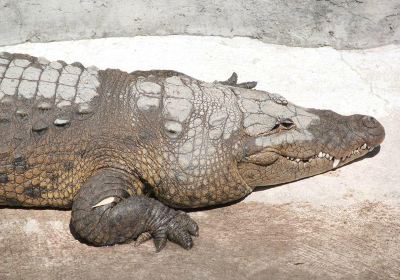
(121, 149)
(38, 101)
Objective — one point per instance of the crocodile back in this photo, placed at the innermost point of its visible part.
(39, 100)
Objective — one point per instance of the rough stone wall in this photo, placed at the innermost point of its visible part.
(308, 23)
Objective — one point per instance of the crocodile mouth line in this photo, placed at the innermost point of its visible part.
(336, 161)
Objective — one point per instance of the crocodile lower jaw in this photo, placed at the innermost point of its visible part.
(322, 156)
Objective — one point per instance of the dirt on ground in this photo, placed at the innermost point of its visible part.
(241, 241)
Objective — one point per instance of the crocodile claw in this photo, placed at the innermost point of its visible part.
(145, 236)
(179, 230)
(160, 240)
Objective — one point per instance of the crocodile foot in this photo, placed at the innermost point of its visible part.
(232, 81)
(106, 212)
(179, 229)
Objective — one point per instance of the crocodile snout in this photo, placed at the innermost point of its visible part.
(371, 130)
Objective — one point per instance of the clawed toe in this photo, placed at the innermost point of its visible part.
(247, 85)
(145, 236)
(160, 240)
(232, 81)
(179, 230)
(181, 237)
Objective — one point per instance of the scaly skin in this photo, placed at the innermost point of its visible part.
(108, 144)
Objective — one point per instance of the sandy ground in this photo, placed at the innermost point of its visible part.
(343, 224)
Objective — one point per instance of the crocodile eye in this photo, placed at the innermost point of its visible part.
(276, 126)
(283, 124)
(287, 123)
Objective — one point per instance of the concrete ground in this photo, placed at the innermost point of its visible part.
(344, 224)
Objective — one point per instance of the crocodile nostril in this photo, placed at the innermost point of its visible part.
(370, 122)
(374, 133)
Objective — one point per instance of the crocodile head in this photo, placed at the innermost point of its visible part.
(286, 142)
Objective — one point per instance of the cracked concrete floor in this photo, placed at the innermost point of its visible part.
(343, 224)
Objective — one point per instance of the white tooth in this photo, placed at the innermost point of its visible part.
(370, 149)
(327, 155)
(330, 157)
(336, 162)
(105, 201)
(320, 154)
(364, 146)
(297, 160)
(323, 154)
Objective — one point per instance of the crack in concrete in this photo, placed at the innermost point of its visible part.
(367, 81)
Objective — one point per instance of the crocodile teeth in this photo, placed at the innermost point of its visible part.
(364, 146)
(336, 162)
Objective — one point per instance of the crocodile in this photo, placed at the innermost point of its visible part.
(129, 152)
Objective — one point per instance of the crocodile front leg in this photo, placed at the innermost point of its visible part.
(106, 211)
